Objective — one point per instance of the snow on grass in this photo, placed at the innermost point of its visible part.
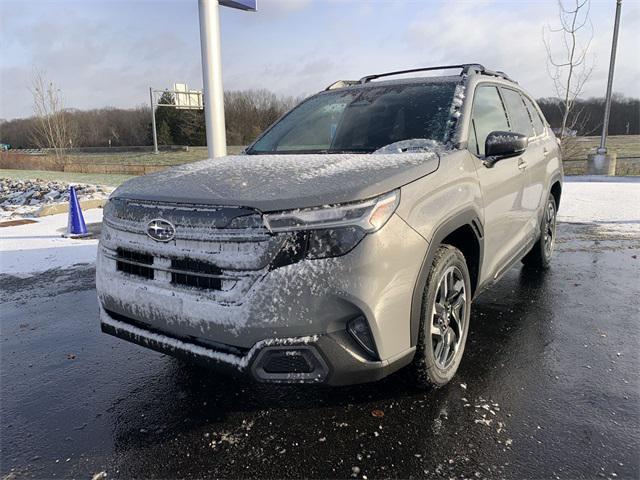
(613, 201)
(36, 247)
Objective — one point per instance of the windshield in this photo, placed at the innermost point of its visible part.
(362, 119)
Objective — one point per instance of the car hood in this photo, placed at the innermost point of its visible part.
(281, 182)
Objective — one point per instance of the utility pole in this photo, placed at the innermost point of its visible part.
(153, 121)
(603, 162)
(612, 62)
(212, 77)
(213, 95)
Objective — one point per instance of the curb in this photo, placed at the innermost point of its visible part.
(64, 207)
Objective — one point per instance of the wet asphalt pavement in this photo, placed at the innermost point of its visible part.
(549, 388)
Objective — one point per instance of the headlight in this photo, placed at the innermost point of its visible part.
(369, 215)
(333, 230)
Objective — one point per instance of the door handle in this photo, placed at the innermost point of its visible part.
(545, 151)
(522, 164)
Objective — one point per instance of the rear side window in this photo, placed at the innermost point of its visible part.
(518, 115)
(538, 124)
(488, 116)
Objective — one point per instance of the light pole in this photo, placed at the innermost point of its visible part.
(213, 95)
(604, 163)
(612, 64)
(153, 121)
(212, 77)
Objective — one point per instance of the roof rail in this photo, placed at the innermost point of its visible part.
(480, 69)
(466, 68)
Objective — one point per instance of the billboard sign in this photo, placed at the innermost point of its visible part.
(187, 99)
(249, 5)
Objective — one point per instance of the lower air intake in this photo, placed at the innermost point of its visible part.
(287, 361)
(295, 363)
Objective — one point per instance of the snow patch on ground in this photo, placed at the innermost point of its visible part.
(610, 201)
(36, 247)
(24, 198)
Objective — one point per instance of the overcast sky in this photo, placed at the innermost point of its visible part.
(108, 52)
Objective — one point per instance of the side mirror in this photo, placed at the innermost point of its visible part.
(499, 145)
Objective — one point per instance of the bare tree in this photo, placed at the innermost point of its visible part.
(567, 64)
(51, 128)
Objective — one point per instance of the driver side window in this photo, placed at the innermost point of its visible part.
(488, 116)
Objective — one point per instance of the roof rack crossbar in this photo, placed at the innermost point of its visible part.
(466, 68)
(368, 78)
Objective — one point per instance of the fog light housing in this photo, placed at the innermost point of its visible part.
(361, 333)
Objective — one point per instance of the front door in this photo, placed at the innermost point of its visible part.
(502, 184)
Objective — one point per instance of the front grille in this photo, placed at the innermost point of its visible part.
(182, 271)
(287, 361)
(134, 263)
(212, 278)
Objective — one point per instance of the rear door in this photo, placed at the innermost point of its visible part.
(502, 184)
(543, 164)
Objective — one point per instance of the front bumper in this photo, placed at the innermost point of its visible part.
(315, 298)
(332, 359)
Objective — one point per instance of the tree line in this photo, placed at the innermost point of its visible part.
(587, 115)
(247, 114)
(250, 112)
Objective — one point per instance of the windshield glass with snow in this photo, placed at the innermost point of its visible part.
(362, 119)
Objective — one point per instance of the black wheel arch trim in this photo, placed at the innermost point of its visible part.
(557, 178)
(465, 218)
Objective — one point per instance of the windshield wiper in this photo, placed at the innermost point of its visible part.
(308, 152)
(354, 150)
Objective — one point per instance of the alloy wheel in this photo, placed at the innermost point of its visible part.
(448, 317)
(549, 229)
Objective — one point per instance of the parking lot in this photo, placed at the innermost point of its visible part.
(549, 388)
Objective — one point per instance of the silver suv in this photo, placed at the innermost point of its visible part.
(347, 241)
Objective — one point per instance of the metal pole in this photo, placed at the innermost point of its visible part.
(212, 77)
(612, 62)
(153, 122)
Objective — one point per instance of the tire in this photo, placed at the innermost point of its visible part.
(539, 256)
(443, 324)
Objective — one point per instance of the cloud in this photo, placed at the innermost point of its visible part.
(101, 55)
(510, 39)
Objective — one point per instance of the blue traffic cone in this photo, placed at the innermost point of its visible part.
(76, 227)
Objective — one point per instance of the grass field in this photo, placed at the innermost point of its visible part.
(626, 146)
(175, 157)
(70, 177)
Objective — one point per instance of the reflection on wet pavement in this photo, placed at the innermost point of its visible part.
(549, 386)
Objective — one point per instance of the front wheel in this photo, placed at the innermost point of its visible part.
(540, 254)
(446, 308)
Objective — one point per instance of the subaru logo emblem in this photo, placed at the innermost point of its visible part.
(161, 230)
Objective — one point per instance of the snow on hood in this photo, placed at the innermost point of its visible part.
(280, 182)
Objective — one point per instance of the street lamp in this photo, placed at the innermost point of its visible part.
(212, 70)
(602, 162)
